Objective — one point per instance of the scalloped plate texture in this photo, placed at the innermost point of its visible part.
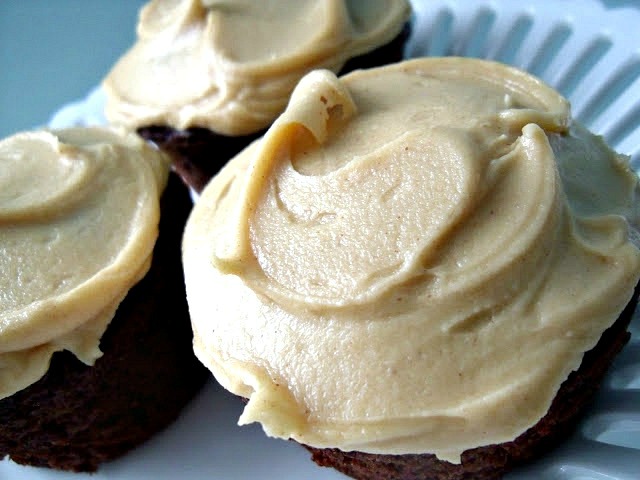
(587, 49)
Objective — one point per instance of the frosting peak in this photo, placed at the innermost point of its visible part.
(421, 278)
(309, 118)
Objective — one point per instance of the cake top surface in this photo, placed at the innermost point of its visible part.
(79, 211)
(230, 65)
(412, 259)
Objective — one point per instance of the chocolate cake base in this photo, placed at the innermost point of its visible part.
(198, 153)
(493, 461)
(76, 416)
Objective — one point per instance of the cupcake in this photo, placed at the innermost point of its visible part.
(95, 339)
(421, 271)
(207, 77)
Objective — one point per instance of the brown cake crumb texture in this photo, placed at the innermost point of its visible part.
(493, 461)
(76, 416)
(198, 153)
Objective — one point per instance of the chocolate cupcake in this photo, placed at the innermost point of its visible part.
(95, 339)
(421, 271)
(206, 78)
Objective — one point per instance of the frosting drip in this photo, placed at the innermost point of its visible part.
(78, 222)
(230, 66)
(412, 259)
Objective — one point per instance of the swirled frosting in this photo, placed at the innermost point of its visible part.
(230, 65)
(79, 211)
(412, 259)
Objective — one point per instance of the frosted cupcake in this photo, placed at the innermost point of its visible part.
(95, 339)
(207, 77)
(405, 274)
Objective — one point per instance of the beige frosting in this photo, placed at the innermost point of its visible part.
(413, 258)
(230, 65)
(79, 211)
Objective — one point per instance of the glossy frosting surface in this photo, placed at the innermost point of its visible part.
(413, 258)
(79, 211)
(230, 65)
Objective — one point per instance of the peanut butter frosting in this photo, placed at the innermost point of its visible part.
(79, 212)
(412, 259)
(230, 65)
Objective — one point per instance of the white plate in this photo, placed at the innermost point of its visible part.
(589, 50)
